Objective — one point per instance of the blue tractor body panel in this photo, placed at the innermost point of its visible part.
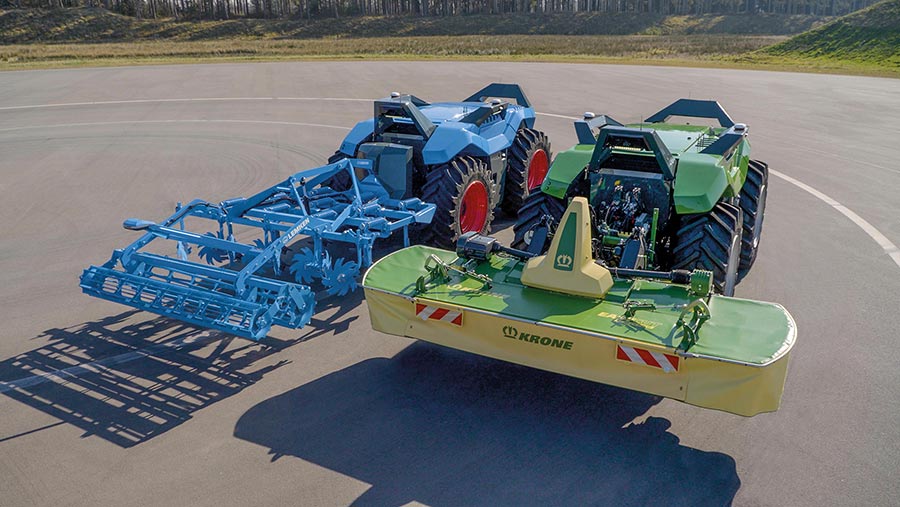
(453, 137)
(359, 134)
(470, 127)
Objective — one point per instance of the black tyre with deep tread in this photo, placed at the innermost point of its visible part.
(711, 241)
(537, 206)
(444, 186)
(753, 206)
(526, 144)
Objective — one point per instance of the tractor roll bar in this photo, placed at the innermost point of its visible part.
(693, 109)
(500, 91)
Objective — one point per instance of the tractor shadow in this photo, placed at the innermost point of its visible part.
(128, 380)
(443, 427)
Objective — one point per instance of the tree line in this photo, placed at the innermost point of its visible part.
(274, 9)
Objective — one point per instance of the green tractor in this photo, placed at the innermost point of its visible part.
(663, 195)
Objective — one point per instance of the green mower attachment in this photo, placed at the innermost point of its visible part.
(661, 332)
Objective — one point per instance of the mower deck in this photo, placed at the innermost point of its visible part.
(737, 364)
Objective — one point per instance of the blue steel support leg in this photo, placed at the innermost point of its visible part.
(366, 242)
(180, 248)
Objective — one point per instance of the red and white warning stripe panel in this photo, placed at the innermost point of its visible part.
(429, 312)
(665, 362)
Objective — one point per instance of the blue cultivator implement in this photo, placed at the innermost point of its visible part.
(242, 288)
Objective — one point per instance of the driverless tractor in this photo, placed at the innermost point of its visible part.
(468, 158)
(663, 195)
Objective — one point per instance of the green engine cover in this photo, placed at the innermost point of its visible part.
(702, 176)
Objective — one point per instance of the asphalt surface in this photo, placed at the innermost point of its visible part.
(145, 411)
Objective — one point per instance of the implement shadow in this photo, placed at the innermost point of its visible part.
(442, 427)
(127, 380)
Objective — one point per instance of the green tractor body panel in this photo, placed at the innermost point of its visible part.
(703, 179)
(700, 184)
(565, 168)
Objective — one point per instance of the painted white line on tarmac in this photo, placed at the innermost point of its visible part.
(887, 245)
(138, 122)
(76, 371)
(563, 116)
(154, 101)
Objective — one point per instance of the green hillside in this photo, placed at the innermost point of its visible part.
(865, 42)
(870, 36)
(22, 26)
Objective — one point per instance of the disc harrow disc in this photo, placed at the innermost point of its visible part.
(340, 279)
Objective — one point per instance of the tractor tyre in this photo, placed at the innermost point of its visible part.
(753, 206)
(461, 190)
(527, 166)
(539, 210)
(711, 241)
(340, 181)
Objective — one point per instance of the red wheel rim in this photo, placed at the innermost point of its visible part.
(473, 211)
(537, 169)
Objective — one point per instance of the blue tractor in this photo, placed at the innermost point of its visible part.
(469, 158)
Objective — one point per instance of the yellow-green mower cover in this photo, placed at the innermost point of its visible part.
(636, 336)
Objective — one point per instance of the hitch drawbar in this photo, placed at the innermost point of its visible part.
(242, 288)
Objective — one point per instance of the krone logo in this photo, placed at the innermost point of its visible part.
(514, 334)
(564, 262)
